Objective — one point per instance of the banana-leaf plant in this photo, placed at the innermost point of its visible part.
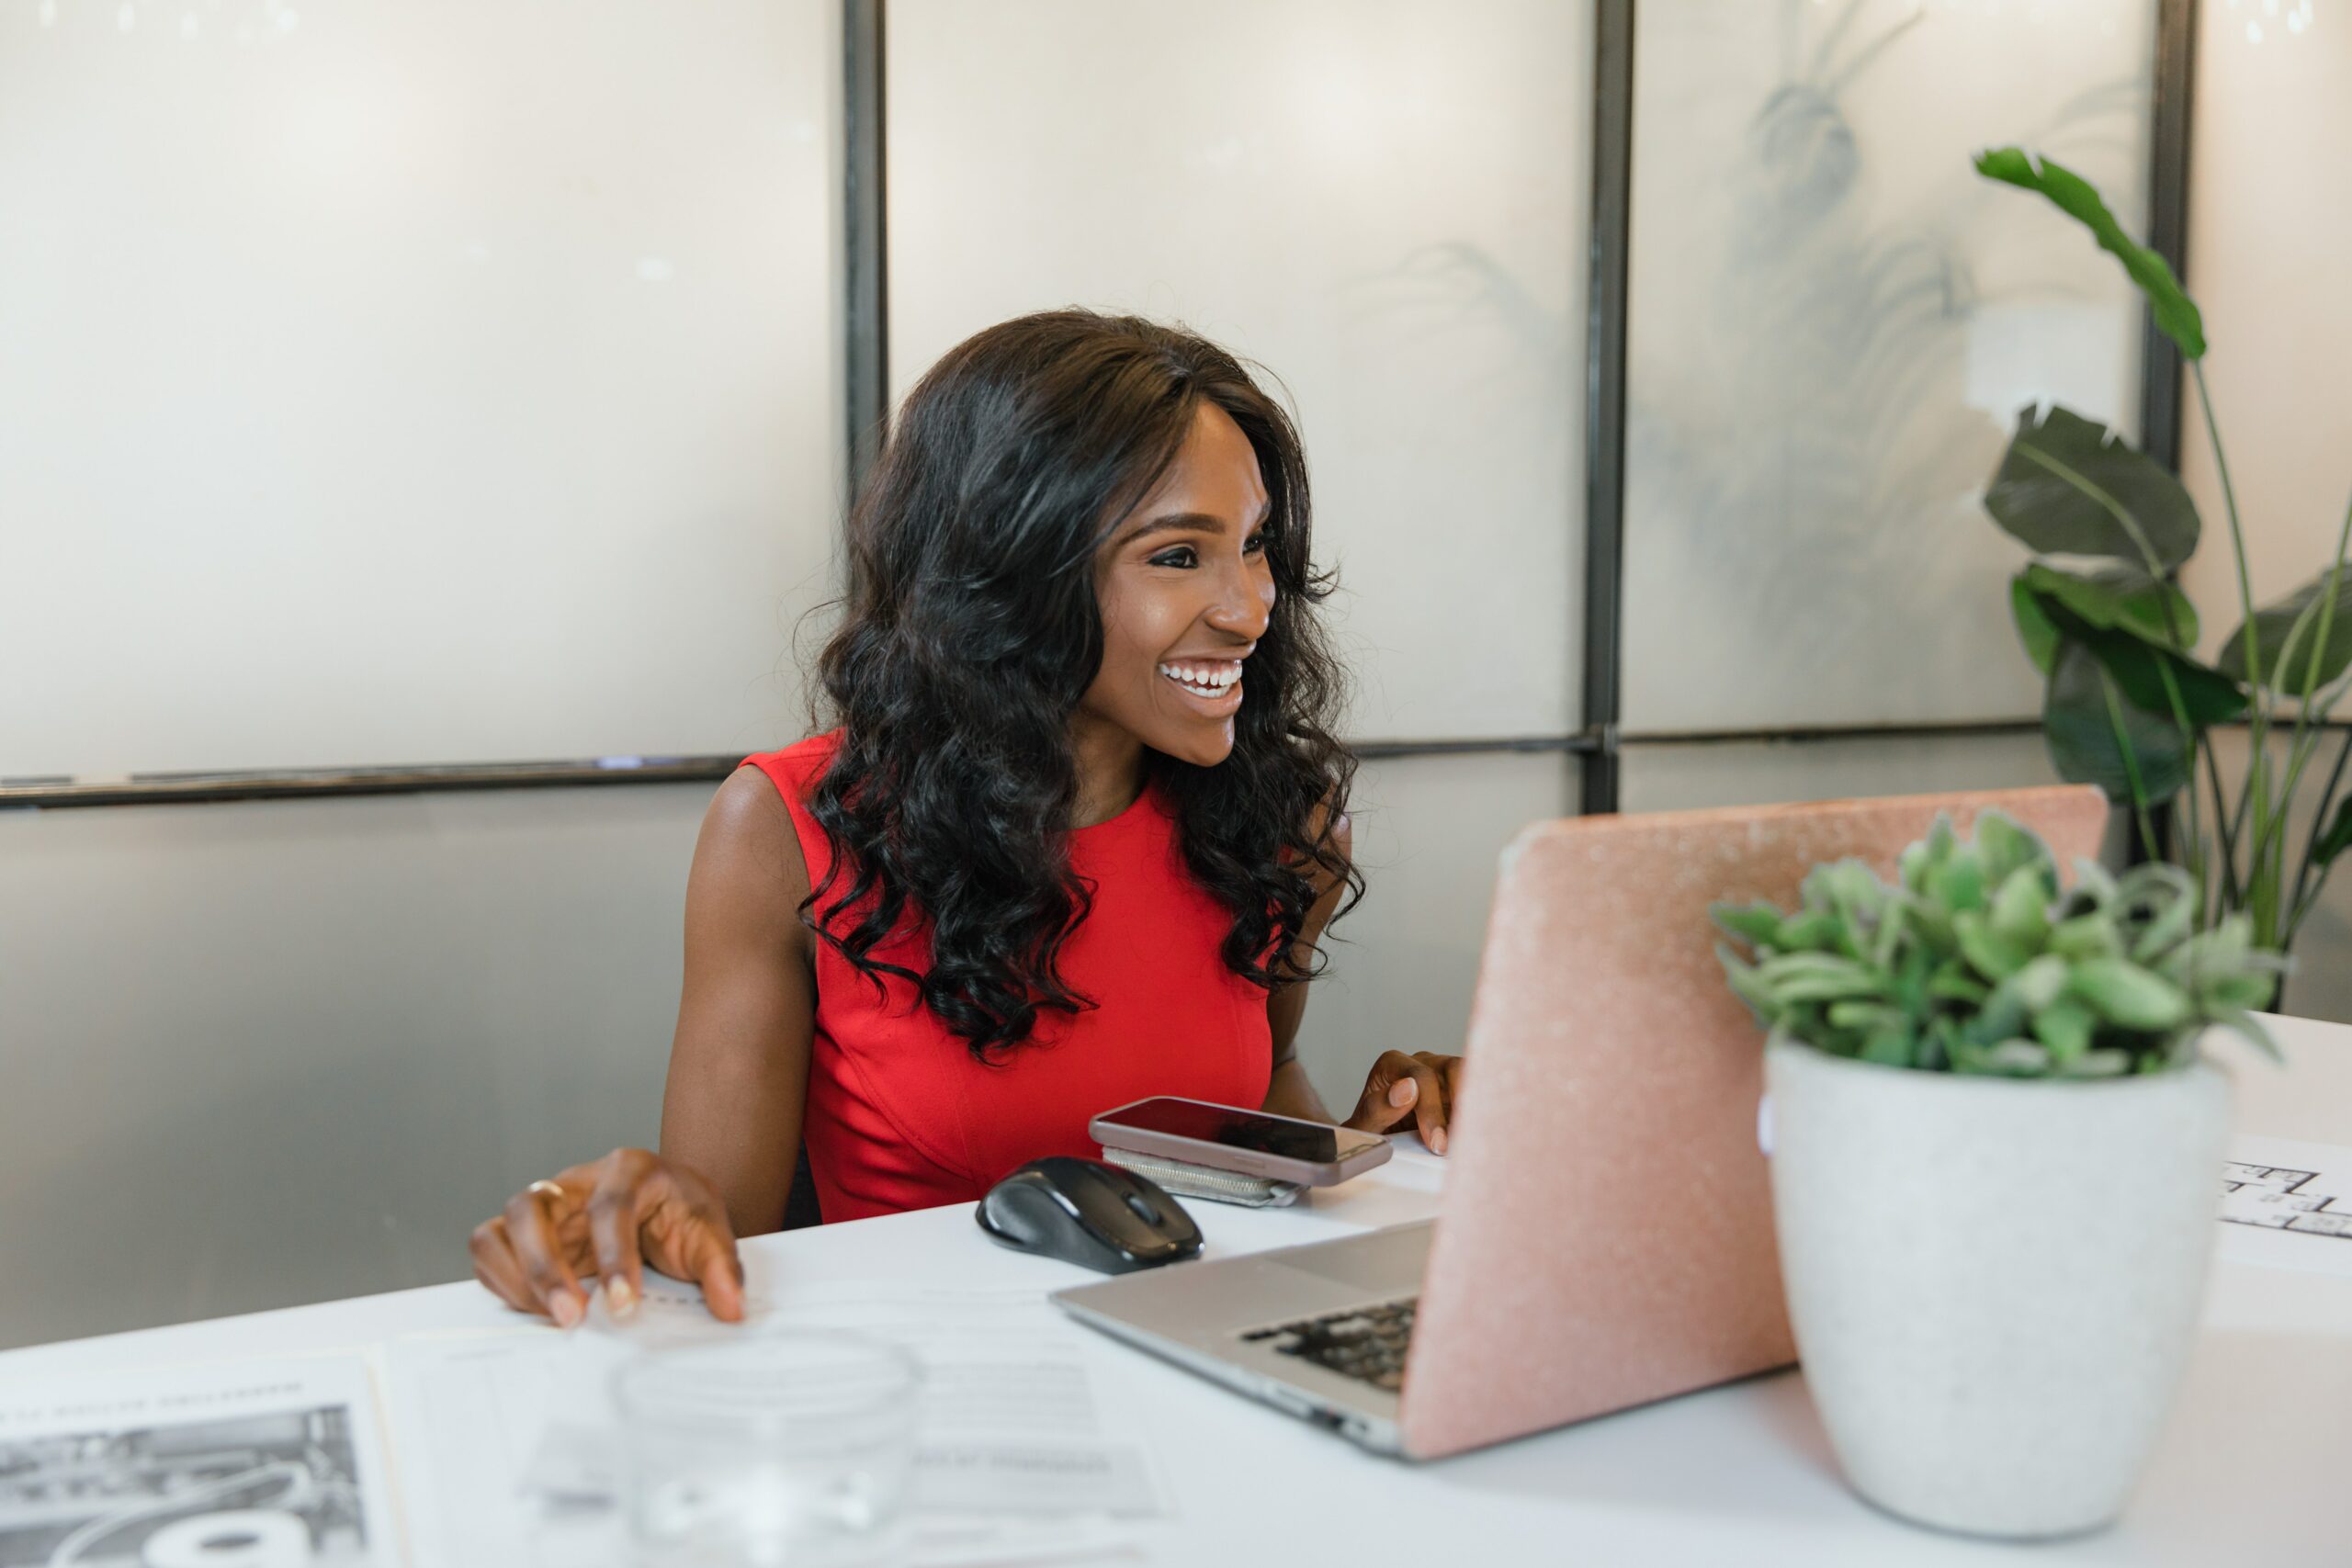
(2128, 705)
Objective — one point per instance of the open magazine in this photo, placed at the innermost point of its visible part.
(246, 1464)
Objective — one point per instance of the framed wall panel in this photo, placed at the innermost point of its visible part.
(1382, 202)
(2268, 203)
(1427, 831)
(412, 382)
(1832, 323)
(276, 1052)
(1685, 777)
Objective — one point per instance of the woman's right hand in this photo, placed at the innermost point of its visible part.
(606, 1220)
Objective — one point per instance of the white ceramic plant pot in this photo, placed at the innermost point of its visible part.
(1995, 1282)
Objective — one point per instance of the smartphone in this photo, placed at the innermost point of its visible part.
(1224, 1137)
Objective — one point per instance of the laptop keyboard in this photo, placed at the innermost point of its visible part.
(1367, 1343)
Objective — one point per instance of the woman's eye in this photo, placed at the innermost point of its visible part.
(1256, 543)
(1182, 556)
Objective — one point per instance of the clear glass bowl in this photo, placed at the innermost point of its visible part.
(791, 1450)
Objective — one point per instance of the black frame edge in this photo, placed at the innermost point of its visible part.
(1608, 242)
(2172, 98)
(864, 238)
(2173, 101)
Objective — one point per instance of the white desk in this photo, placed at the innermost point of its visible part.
(2256, 1466)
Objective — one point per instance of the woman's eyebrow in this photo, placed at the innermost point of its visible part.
(1185, 521)
(1178, 522)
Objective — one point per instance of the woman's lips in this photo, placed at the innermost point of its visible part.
(1217, 706)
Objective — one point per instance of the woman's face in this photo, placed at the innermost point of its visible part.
(1185, 591)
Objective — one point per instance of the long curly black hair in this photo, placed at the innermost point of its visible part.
(970, 632)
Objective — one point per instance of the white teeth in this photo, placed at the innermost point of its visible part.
(1203, 680)
(1210, 681)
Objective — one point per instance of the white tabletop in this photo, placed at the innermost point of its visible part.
(2252, 1469)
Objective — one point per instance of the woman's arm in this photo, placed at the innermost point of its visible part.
(1419, 1089)
(731, 1117)
(739, 1062)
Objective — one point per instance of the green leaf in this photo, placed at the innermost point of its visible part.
(2273, 625)
(1791, 966)
(2081, 729)
(2009, 1056)
(2037, 985)
(2248, 1028)
(2003, 845)
(2068, 486)
(2034, 627)
(2065, 1026)
(1821, 989)
(2123, 993)
(2170, 924)
(2150, 676)
(1799, 977)
(1929, 852)
(2099, 1065)
(1894, 928)
(1805, 930)
(2117, 598)
(2338, 837)
(2175, 313)
(1747, 984)
(1953, 982)
(1860, 1014)
(2238, 993)
(1994, 957)
(1959, 883)
(1888, 1048)
(2020, 911)
(1757, 923)
(1935, 1046)
(2084, 937)
(2017, 1059)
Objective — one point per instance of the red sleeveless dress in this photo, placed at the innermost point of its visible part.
(900, 1116)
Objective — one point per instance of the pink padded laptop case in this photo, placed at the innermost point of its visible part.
(1605, 1237)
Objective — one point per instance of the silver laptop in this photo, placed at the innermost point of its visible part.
(1605, 1235)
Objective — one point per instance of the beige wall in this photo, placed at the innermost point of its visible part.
(2270, 225)
(264, 1052)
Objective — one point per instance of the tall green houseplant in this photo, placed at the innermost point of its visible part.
(2128, 706)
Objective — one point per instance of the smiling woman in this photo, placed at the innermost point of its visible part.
(1058, 854)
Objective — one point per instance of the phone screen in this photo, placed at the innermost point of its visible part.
(1280, 1136)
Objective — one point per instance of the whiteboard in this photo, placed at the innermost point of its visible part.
(407, 382)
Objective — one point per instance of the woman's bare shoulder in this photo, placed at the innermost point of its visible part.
(749, 869)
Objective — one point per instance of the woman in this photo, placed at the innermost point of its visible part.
(1058, 855)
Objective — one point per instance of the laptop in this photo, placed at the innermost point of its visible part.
(1604, 1238)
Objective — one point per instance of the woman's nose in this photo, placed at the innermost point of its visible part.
(1243, 610)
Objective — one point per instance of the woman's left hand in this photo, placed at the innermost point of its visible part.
(1419, 1089)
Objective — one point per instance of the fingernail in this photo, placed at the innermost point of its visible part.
(620, 1297)
(565, 1308)
(1401, 1092)
(1437, 1140)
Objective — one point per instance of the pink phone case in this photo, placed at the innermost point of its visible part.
(1247, 1162)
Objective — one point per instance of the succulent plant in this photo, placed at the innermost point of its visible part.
(1980, 963)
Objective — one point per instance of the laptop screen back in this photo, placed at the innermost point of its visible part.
(1606, 1236)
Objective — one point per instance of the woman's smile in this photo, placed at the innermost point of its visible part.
(1211, 685)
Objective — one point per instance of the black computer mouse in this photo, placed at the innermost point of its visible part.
(1081, 1210)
